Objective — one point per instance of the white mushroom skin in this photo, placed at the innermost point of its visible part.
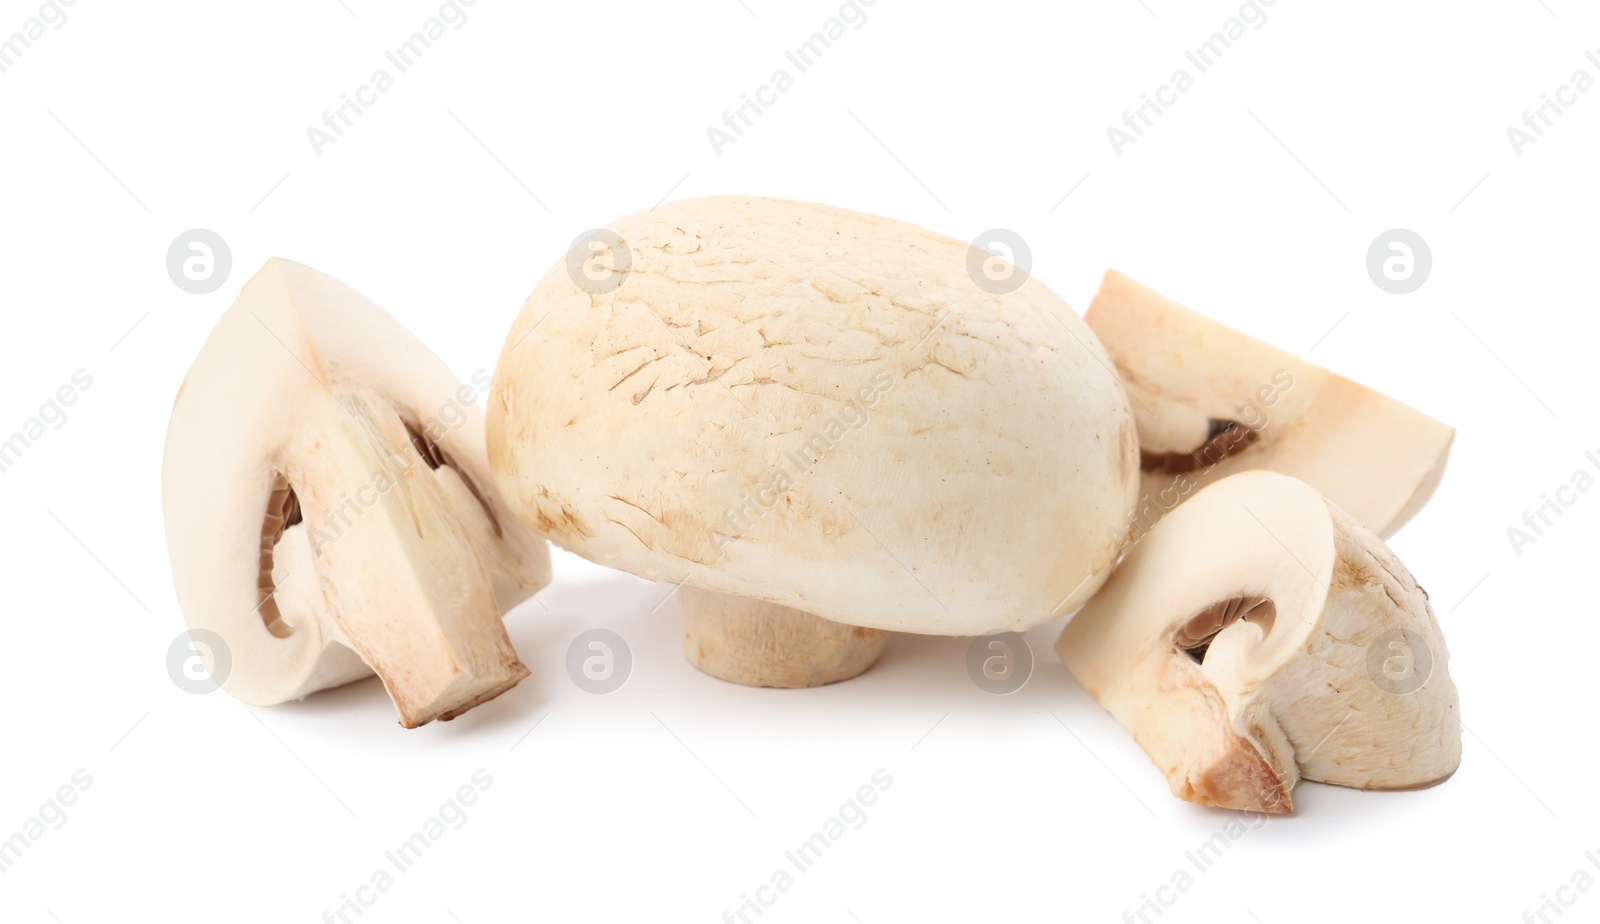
(1188, 375)
(1328, 665)
(394, 555)
(821, 409)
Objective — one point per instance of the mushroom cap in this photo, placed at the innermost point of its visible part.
(1258, 635)
(1376, 458)
(296, 385)
(821, 409)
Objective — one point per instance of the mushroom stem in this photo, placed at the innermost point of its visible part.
(403, 579)
(762, 644)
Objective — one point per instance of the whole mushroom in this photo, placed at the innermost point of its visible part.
(822, 423)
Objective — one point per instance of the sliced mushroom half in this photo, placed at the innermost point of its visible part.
(330, 511)
(1258, 636)
(1209, 401)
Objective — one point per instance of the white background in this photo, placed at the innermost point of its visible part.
(1254, 199)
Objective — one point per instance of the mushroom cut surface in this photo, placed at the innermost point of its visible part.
(329, 508)
(1259, 636)
(1210, 402)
